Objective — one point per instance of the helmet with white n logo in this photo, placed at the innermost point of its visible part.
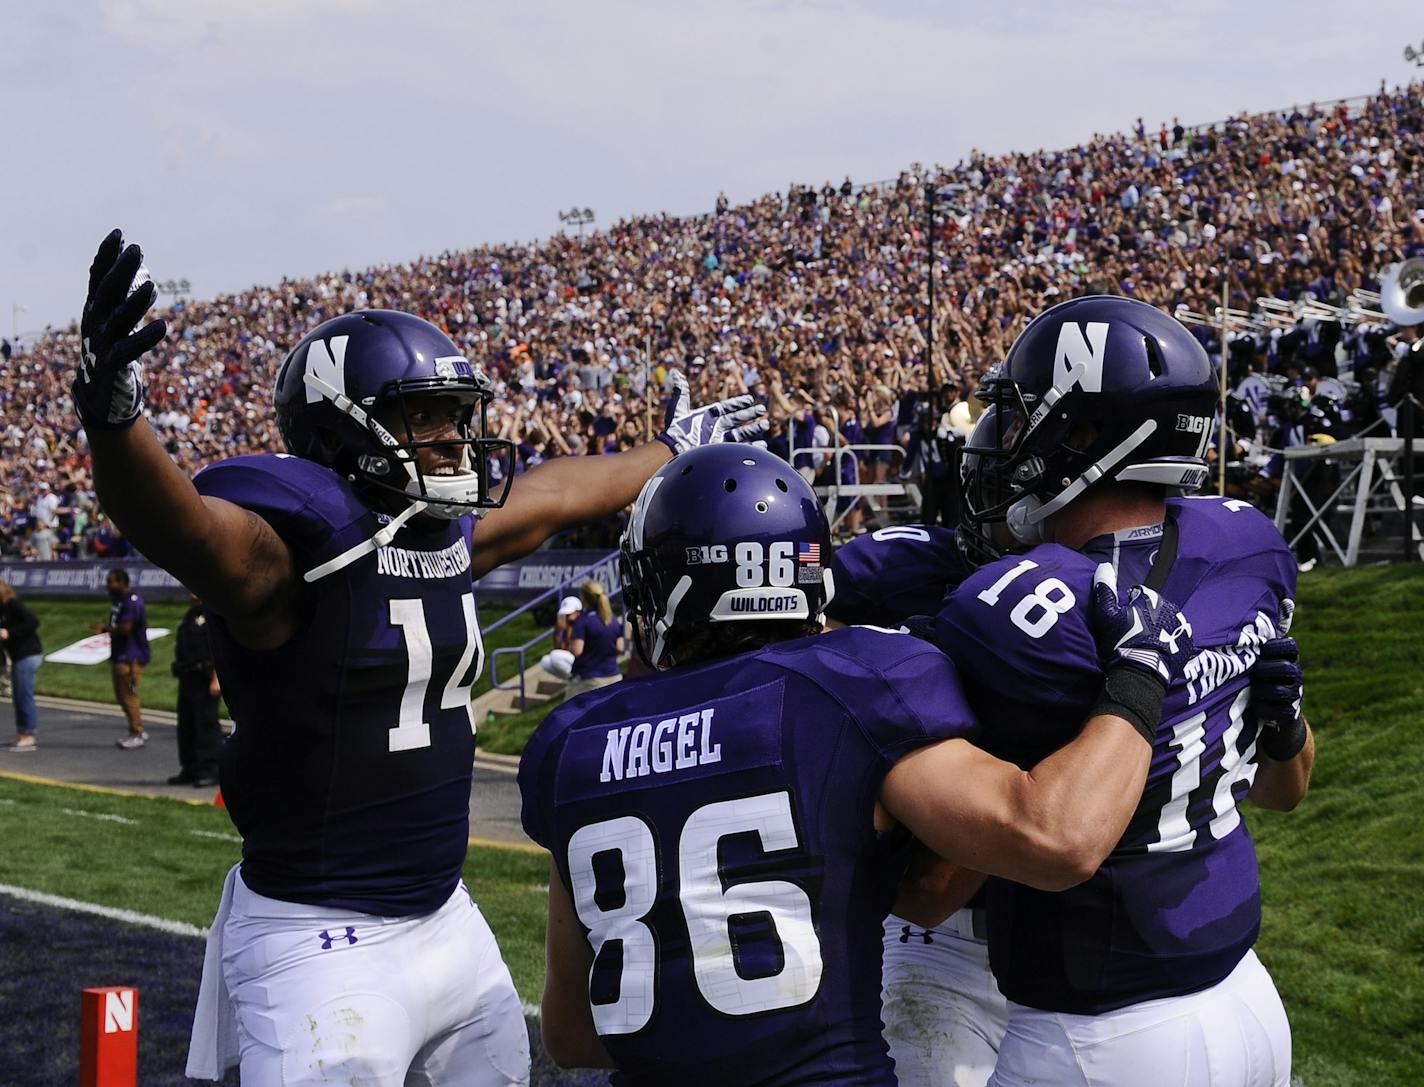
(723, 534)
(1097, 388)
(351, 372)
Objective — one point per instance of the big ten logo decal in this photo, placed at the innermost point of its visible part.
(706, 555)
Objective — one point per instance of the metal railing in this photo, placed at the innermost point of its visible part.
(557, 592)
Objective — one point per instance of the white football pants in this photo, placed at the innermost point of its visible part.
(333, 996)
(944, 1015)
(1234, 1034)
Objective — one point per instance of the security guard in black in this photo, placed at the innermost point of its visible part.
(199, 733)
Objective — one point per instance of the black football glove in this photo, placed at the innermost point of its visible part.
(1144, 642)
(108, 389)
(738, 419)
(1277, 687)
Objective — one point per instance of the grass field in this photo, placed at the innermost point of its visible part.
(1343, 876)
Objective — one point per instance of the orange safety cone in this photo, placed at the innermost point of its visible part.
(218, 800)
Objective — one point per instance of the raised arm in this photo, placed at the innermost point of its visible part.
(228, 556)
(568, 491)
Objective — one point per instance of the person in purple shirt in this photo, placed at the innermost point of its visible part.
(727, 834)
(596, 641)
(129, 654)
(1098, 420)
(339, 582)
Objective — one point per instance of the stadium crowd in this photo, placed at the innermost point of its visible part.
(814, 299)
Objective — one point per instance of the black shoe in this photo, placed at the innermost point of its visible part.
(204, 779)
(183, 777)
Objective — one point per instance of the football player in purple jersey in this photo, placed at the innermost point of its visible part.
(727, 836)
(1098, 420)
(339, 578)
(944, 1017)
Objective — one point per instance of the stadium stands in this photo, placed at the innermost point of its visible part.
(814, 298)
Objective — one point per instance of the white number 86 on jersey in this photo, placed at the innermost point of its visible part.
(707, 908)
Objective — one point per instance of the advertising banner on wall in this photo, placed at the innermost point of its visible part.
(514, 582)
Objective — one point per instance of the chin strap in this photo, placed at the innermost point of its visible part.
(365, 547)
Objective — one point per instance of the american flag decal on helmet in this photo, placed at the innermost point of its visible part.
(808, 553)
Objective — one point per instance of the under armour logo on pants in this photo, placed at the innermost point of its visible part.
(327, 937)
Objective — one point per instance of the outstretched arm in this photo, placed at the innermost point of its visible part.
(559, 494)
(568, 491)
(227, 555)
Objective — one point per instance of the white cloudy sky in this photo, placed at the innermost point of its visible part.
(243, 140)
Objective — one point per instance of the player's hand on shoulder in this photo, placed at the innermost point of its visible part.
(737, 419)
(1277, 688)
(108, 388)
(1142, 630)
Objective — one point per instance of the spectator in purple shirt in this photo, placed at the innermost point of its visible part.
(128, 652)
(597, 642)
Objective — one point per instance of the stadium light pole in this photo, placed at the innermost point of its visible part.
(933, 194)
(178, 288)
(16, 308)
(580, 217)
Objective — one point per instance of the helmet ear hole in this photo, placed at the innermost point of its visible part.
(1154, 357)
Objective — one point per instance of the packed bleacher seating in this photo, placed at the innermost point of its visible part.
(814, 299)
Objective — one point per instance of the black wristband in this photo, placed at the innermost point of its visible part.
(1281, 743)
(1132, 694)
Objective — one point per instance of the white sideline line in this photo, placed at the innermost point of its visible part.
(99, 815)
(219, 835)
(176, 928)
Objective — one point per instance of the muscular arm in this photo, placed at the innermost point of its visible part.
(1280, 786)
(230, 557)
(566, 1020)
(1049, 827)
(559, 494)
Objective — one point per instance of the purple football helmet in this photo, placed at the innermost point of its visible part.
(722, 533)
(349, 370)
(1096, 388)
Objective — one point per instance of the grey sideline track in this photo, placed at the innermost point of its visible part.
(76, 747)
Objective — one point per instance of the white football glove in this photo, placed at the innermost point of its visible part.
(738, 419)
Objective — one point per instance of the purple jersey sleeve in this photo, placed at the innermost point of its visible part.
(886, 576)
(1020, 629)
(307, 504)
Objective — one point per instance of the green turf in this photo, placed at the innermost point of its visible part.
(168, 858)
(1343, 875)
